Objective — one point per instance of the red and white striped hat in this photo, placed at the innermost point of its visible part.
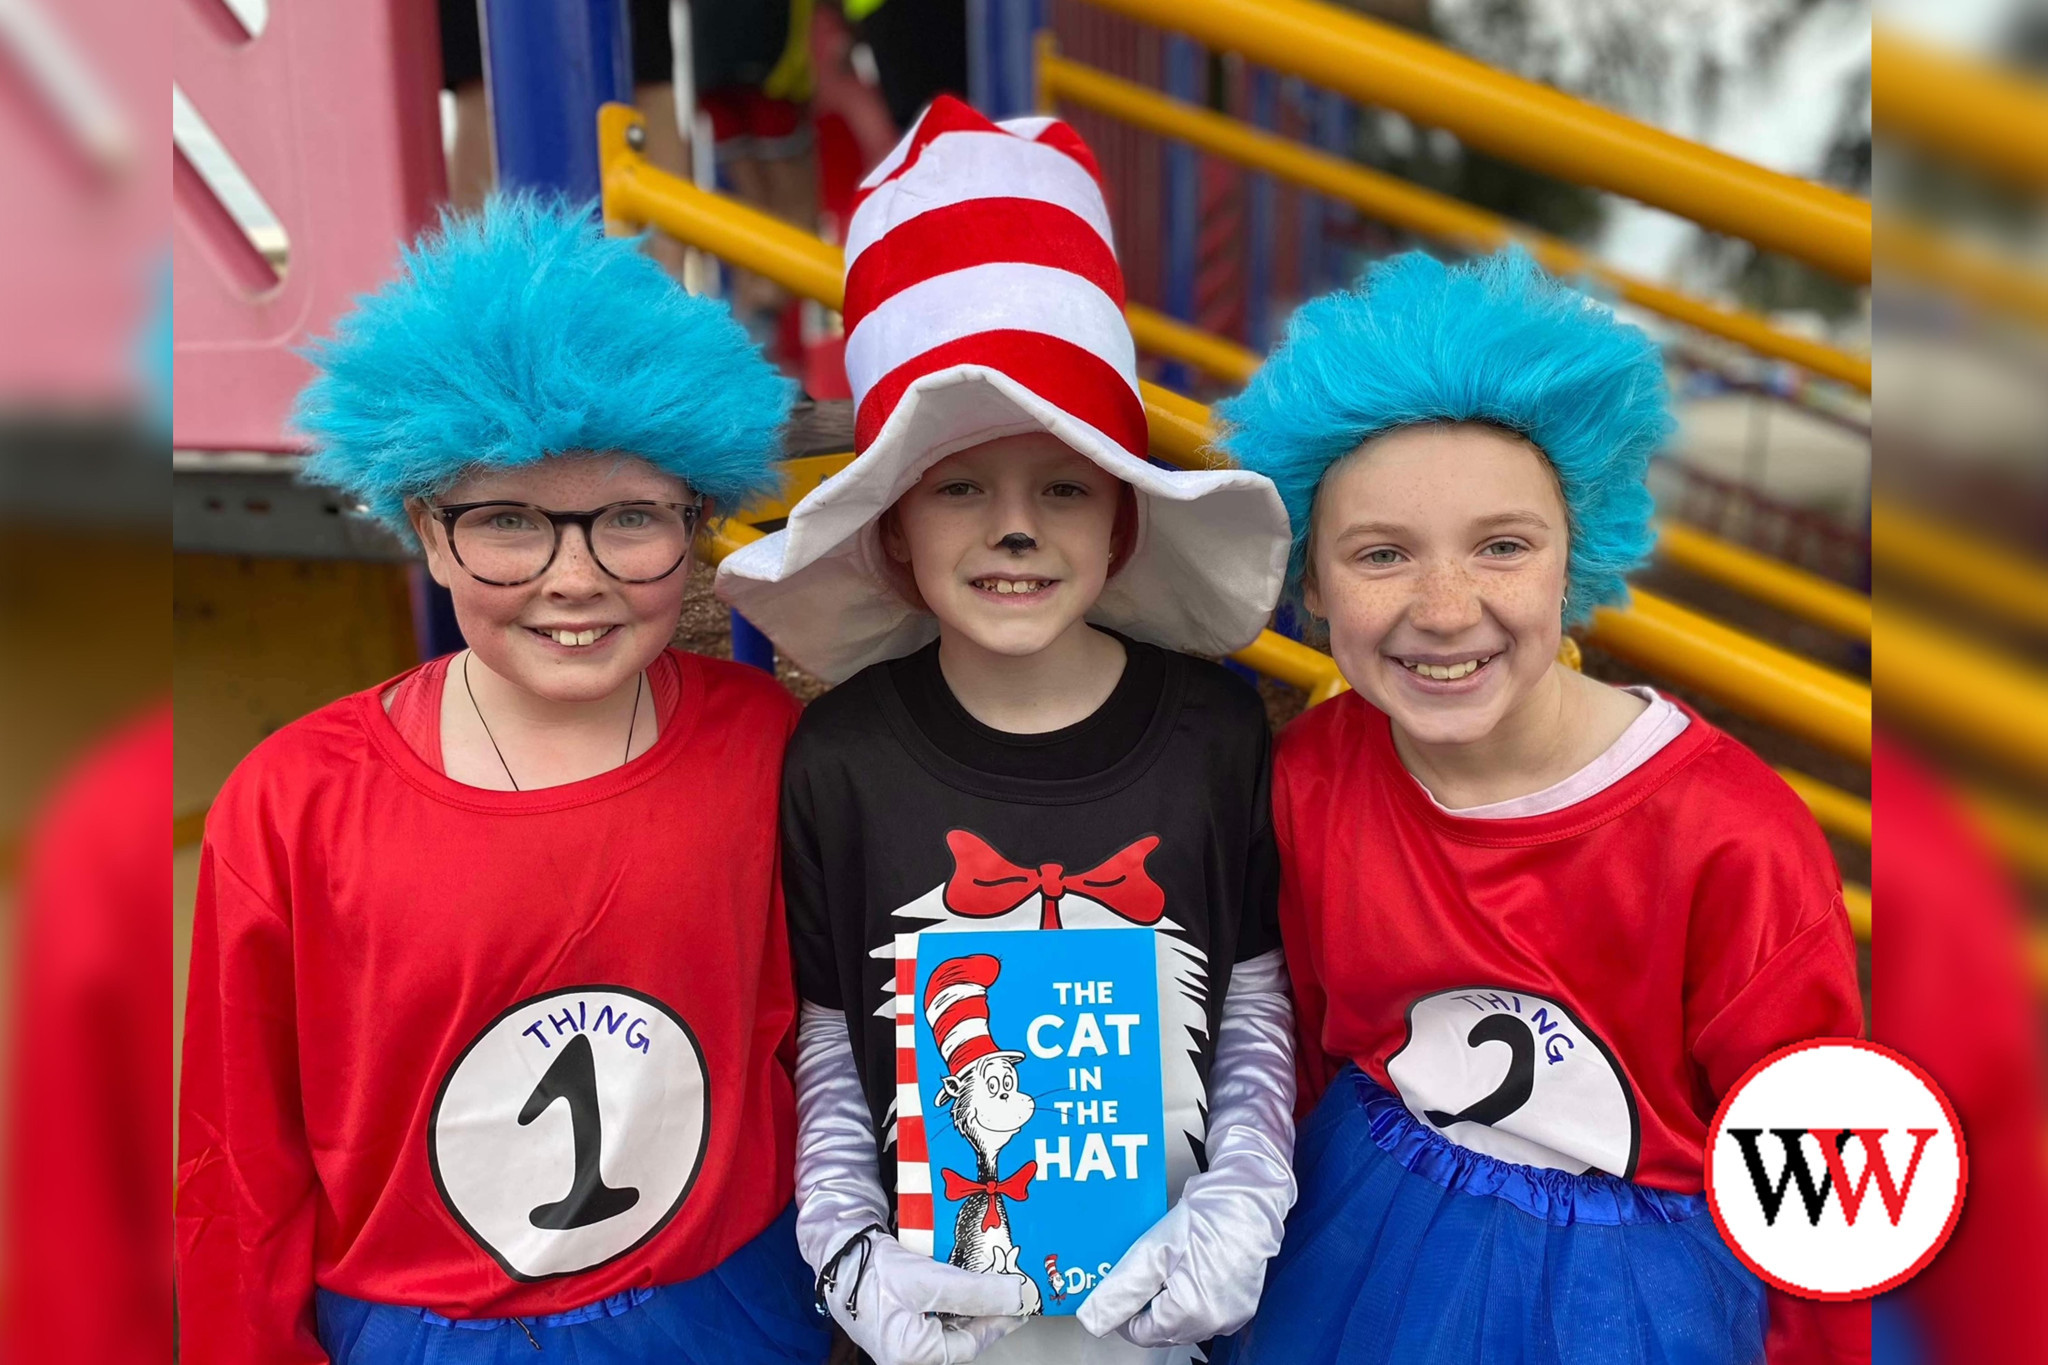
(984, 299)
(956, 1009)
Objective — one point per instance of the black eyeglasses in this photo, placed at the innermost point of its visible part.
(506, 544)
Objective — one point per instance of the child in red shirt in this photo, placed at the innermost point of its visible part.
(1536, 925)
(490, 982)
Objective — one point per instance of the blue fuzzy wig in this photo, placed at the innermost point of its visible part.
(524, 332)
(1492, 341)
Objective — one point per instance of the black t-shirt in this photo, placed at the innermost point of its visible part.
(887, 773)
(1082, 749)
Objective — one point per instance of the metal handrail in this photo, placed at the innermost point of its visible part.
(1761, 578)
(1762, 681)
(1419, 210)
(1834, 810)
(2018, 831)
(1957, 564)
(1969, 111)
(1528, 123)
(1962, 689)
(1992, 281)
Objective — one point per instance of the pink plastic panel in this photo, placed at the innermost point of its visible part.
(82, 203)
(332, 114)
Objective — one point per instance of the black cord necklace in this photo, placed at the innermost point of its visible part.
(638, 684)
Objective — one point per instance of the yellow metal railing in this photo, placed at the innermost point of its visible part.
(2019, 832)
(1834, 810)
(1528, 123)
(1856, 900)
(1761, 681)
(1970, 113)
(1422, 211)
(1761, 578)
(1993, 282)
(1962, 690)
(1980, 115)
(1959, 565)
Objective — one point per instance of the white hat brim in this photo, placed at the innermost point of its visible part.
(1210, 558)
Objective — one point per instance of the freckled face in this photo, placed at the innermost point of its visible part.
(1439, 561)
(517, 631)
(951, 530)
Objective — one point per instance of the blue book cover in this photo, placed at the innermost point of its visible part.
(1042, 1138)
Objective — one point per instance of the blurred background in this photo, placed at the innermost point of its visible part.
(1710, 166)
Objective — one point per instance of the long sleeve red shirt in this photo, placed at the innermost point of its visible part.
(1659, 937)
(485, 1053)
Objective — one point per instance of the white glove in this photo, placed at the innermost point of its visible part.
(1198, 1272)
(883, 1295)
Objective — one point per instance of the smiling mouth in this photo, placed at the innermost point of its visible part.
(1447, 672)
(1013, 587)
(574, 639)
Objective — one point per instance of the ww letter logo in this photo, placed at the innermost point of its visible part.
(1802, 1142)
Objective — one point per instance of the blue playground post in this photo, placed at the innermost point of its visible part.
(1186, 69)
(999, 34)
(1335, 121)
(1258, 291)
(548, 65)
(750, 646)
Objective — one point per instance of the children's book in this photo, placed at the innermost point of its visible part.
(1039, 1147)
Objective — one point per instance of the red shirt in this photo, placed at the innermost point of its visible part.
(487, 1053)
(1585, 984)
(91, 1098)
(1953, 993)
(413, 701)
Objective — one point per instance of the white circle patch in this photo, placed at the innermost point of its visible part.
(1836, 1168)
(571, 1129)
(1518, 1077)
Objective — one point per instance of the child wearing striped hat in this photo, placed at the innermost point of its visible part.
(1001, 583)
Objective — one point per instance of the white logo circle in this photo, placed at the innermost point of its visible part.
(1519, 1077)
(1836, 1169)
(569, 1131)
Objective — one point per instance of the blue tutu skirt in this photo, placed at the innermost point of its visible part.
(755, 1306)
(1405, 1247)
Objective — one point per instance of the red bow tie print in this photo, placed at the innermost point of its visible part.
(1018, 1186)
(985, 883)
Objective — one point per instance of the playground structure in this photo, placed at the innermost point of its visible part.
(1821, 706)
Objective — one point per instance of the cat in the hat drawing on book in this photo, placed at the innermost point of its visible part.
(1008, 596)
(989, 1106)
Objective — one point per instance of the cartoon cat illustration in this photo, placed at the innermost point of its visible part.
(989, 1107)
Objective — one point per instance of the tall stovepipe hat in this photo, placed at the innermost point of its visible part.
(984, 299)
(956, 1011)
